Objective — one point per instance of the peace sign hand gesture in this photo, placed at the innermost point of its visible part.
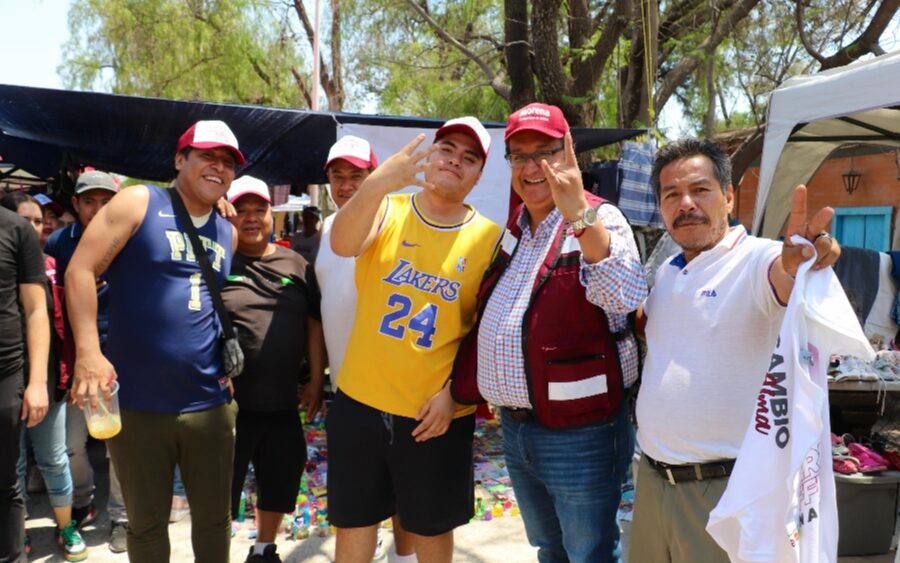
(401, 168)
(565, 182)
(827, 249)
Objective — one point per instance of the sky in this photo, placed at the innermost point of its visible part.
(31, 48)
(31, 42)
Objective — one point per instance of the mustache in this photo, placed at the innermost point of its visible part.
(693, 217)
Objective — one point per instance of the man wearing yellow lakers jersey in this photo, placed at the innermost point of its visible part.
(397, 442)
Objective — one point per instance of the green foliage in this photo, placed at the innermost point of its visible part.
(215, 50)
(409, 70)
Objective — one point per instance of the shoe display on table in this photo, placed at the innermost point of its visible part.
(269, 555)
(84, 515)
(71, 542)
(845, 464)
(118, 537)
(869, 461)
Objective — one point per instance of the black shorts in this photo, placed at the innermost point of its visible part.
(275, 443)
(377, 469)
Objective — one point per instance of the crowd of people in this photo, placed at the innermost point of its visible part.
(420, 308)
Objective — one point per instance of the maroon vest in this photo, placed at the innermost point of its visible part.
(566, 340)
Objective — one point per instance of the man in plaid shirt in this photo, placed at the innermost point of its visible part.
(553, 348)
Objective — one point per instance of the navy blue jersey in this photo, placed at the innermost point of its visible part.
(164, 333)
(61, 246)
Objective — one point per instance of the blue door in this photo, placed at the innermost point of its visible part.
(864, 227)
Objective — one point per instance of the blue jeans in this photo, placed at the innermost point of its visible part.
(48, 440)
(568, 484)
(178, 486)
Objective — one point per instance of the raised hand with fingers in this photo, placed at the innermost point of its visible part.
(565, 182)
(401, 169)
(567, 191)
(827, 249)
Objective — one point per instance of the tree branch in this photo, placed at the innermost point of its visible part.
(301, 84)
(807, 44)
(495, 79)
(688, 65)
(547, 63)
(867, 42)
(518, 56)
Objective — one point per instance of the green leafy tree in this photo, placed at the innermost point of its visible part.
(218, 50)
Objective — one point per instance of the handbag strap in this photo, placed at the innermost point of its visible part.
(203, 259)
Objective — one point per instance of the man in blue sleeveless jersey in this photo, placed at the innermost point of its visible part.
(163, 345)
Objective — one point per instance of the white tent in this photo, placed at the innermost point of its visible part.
(294, 203)
(812, 116)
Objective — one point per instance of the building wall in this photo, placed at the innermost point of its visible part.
(878, 186)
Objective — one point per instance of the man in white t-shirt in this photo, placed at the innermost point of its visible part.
(350, 161)
(712, 320)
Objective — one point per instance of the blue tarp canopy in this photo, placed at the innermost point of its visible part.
(43, 131)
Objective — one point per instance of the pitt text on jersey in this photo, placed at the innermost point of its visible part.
(182, 249)
(405, 274)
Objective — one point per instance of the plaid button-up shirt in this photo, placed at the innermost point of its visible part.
(616, 284)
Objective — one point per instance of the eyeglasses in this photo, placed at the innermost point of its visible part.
(518, 160)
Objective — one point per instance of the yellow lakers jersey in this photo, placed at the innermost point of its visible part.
(417, 286)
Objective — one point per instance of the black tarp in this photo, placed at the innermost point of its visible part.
(44, 130)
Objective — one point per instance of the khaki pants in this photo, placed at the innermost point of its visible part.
(670, 520)
(145, 454)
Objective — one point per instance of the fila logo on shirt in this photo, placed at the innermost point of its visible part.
(709, 293)
(772, 402)
(405, 274)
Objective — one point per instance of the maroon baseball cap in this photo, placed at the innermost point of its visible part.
(542, 118)
(210, 135)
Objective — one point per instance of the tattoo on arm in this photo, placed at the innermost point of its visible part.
(111, 251)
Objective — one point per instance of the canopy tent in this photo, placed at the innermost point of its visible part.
(812, 116)
(42, 129)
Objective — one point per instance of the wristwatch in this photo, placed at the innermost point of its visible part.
(588, 219)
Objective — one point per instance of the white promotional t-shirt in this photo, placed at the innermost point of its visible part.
(337, 285)
(780, 501)
(711, 326)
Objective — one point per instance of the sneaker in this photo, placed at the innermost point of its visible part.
(71, 542)
(269, 555)
(380, 548)
(84, 515)
(118, 537)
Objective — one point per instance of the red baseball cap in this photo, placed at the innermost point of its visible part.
(354, 150)
(542, 118)
(470, 126)
(210, 135)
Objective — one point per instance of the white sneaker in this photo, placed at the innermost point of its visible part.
(380, 551)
